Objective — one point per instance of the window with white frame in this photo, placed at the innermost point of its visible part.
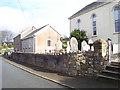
(117, 18)
(78, 24)
(94, 24)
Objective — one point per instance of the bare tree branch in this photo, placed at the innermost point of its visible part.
(6, 36)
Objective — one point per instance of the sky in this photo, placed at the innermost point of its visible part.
(17, 15)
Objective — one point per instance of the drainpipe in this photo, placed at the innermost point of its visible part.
(33, 44)
(70, 26)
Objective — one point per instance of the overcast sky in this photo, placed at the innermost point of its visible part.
(16, 15)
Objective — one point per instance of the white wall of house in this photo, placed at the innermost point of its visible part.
(43, 36)
(104, 20)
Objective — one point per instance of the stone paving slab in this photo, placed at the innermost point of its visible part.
(71, 82)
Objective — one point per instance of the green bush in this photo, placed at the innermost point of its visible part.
(10, 45)
(4, 47)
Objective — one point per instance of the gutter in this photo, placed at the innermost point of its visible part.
(34, 44)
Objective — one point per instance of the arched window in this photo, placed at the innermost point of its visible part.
(94, 24)
(117, 18)
(78, 24)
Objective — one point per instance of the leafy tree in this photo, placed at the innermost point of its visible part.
(80, 36)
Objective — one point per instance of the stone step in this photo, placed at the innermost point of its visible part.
(113, 68)
(111, 73)
(107, 77)
(115, 63)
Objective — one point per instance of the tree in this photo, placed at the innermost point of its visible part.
(80, 36)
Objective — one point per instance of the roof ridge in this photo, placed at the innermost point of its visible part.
(55, 30)
(43, 26)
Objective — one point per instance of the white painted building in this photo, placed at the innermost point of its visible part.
(100, 20)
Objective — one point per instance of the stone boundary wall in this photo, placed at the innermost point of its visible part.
(73, 64)
(64, 63)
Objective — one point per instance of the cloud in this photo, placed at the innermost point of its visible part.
(12, 19)
(10, 3)
(39, 13)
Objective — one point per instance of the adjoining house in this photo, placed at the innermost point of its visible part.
(40, 40)
(17, 39)
(17, 43)
(100, 20)
(0, 38)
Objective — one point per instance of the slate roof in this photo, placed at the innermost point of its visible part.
(32, 33)
(88, 7)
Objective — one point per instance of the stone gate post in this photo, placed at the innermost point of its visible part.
(101, 51)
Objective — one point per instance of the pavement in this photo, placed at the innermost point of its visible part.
(67, 81)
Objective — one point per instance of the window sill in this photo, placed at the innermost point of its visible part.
(94, 36)
(116, 33)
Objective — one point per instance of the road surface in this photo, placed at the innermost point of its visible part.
(13, 77)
